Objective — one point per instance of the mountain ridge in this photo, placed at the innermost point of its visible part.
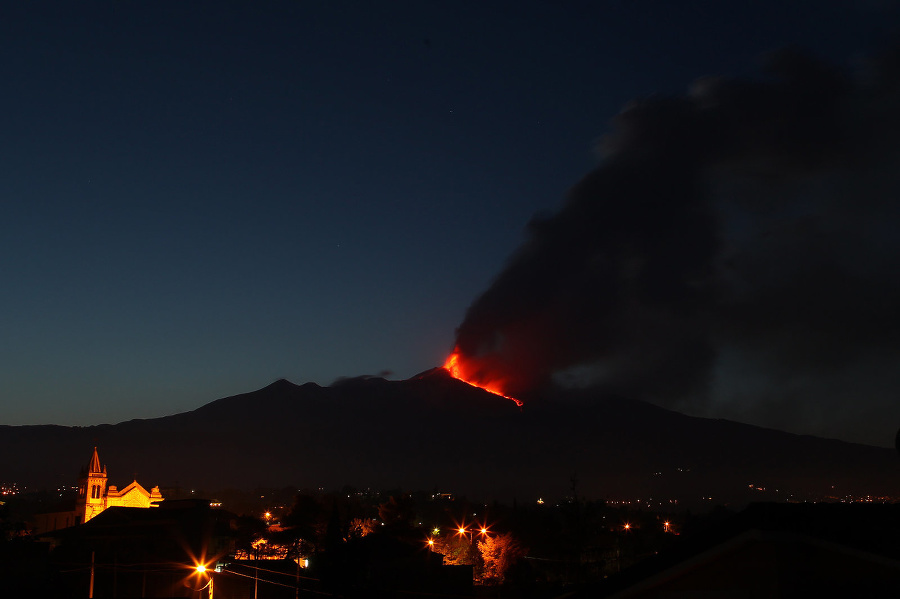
(434, 431)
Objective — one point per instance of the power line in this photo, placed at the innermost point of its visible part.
(272, 571)
(281, 584)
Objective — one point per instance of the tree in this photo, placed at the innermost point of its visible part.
(456, 549)
(397, 512)
(360, 527)
(249, 530)
(334, 534)
(306, 520)
(498, 553)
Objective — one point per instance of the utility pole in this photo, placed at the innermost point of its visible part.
(297, 590)
(91, 588)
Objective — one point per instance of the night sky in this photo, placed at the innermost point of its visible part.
(201, 198)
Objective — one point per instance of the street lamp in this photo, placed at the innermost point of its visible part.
(463, 531)
(201, 571)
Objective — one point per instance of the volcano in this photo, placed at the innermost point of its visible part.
(457, 369)
(433, 430)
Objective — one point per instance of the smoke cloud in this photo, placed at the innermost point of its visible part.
(739, 240)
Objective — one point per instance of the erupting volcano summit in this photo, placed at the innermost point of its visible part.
(458, 369)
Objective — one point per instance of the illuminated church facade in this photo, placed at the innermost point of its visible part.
(95, 494)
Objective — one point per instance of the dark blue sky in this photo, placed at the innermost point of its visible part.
(200, 198)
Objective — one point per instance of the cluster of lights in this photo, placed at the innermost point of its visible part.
(9, 489)
(864, 499)
(461, 531)
(642, 502)
(667, 526)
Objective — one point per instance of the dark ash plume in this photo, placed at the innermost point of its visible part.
(748, 222)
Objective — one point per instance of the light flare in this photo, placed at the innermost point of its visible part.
(455, 368)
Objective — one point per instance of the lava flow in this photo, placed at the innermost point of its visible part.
(453, 366)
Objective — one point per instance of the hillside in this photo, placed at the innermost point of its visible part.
(434, 431)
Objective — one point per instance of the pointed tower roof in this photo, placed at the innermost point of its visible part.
(95, 463)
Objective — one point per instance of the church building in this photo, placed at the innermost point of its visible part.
(94, 496)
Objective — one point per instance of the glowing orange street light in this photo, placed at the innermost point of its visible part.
(201, 569)
(431, 544)
(627, 526)
(463, 532)
(666, 526)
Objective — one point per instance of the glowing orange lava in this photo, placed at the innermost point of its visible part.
(455, 369)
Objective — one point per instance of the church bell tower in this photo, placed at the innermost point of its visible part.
(92, 490)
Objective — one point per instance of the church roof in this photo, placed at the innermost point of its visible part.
(132, 486)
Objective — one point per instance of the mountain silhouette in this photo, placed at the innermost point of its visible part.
(434, 431)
